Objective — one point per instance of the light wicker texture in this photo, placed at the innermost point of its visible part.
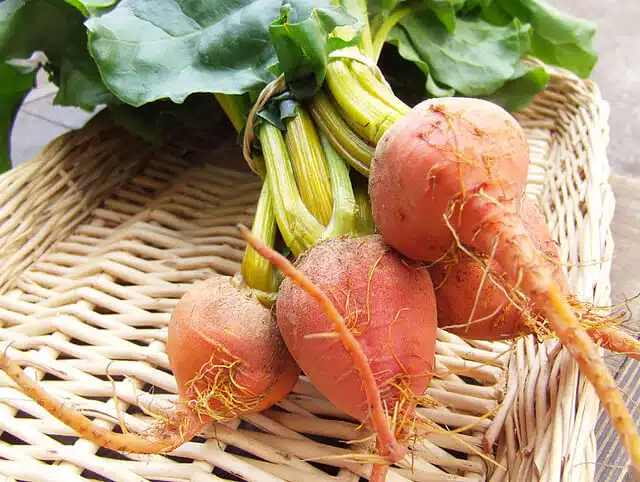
(102, 235)
(548, 434)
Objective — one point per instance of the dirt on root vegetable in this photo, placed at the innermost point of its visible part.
(360, 320)
(476, 300)
(449, 176)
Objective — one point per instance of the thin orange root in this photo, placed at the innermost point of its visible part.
(616, 340)
(379, 471)
(575, 338)
(604, 326)
(161, 441)
(223, 398)
(501, 226)
(393, 450)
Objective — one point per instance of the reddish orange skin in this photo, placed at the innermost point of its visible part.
(436, 154)
(399, 288)
(215, 313)
(455, 161)
(456, 291)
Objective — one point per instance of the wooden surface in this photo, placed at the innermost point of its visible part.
(625, 278)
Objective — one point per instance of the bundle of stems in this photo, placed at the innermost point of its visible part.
(315, 169)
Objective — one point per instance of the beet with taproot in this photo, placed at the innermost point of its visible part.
(475, 298)
(227, 357)
(226, 352)
(449, 176)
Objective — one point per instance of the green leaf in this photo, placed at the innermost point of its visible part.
(15, 84)
(399, 38)
(154, 49)
(382, 7)
(80, 83)
(437, 90)
(472, 7)
(9, 10)
(518, 92)
(26, 26)
(475, 59)
(78, 77)
(288, 108)
(95, 4)
(445, 10)
(558, 39)
(90, 7)
(278, 109)
(78, 5)
(303, 45)
(57, 29)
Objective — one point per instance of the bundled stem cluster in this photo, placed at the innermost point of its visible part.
(316, 169)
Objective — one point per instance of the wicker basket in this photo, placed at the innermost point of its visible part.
(101, 234)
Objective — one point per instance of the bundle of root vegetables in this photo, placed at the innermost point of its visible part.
(377, 224)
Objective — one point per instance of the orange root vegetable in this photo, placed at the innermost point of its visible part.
(373, 355)
(228, 359)
(226, 352)
(436, 157)
(449, 176)
(476, 300)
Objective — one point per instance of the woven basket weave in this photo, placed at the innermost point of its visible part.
(101, 234)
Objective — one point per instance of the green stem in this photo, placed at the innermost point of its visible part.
(309, 165)
(358, 9)
(236, 107)
(379, 89)
(385, 28)
(349, 145)
(367, 115)
(343, 219)
(299, 228)
(364, 219)
(256, 271)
